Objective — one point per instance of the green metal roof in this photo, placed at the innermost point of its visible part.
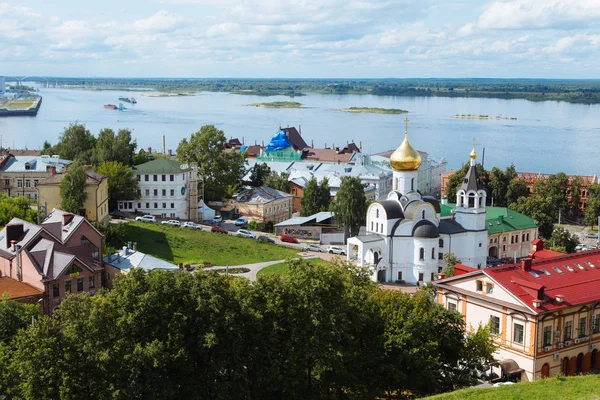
(498, 219)
(160, 166)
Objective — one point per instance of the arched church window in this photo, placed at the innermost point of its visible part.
(412, 183)
(471, 200)
(421, 254)
(376, 226)
(377, 213)
(433, 253)
(381, 227)
(371, 226)
(423, 214)
(441, 243)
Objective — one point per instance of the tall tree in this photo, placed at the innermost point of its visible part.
(72, 188)
(122, 183)
(259, 174)
(316, 197)
(140, 157)
(592, 209)
(111, 147)
(15, 207)
(350, 205)
(516, 189)
(575, 189)
(456, 179)
(564, 241)
(450, 260)
(556, 190)
(218, 168)
(539, 207)
(278, 180)
(498, 183)
(75, 143)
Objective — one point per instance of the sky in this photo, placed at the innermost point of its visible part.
(301, 38)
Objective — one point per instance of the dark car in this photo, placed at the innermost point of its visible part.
(117, 214)
(218, 229)
(265, 239)
(288, 239)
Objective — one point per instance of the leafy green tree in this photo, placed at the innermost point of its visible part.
(259, 174)
(456, 179)
(140, 157)
(516, 189)
(556, 190)
(279, 181)
(575, 189)
(592, 209)
(46, 148)
(218, 168)
(562, 238)
(72, 188)
(119, 148)
(350, 205)
(539, 207)
(15, 316)
(122, 183)
(75, 143)
(498, 183)
(450, 260)
(316, 197)
(15, 207)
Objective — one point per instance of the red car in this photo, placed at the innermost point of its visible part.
(288, 238)
(218, 229)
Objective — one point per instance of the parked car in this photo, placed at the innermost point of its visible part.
(246, 233)
(592, 236)
(146, 218)
(217, 219)
(218, 229)
(336, 250)
(288, 239)
(172, 222)
(190, 224)
(117, 214)
(241, 221)
(313, 247)
(265, 239)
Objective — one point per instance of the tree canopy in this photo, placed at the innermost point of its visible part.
(15, 207)
(316, 197)
(110, 147)
(122, 183)
(592, 210)
(563, 241)
(218, 168)
(278, 180)
(259, 173)
(324, 331)
(74, 143)
(350, 205)
(72, 188)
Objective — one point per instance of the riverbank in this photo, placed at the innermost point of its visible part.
(21, 107)
(374, 110)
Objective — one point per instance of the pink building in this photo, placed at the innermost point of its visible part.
(60, 256)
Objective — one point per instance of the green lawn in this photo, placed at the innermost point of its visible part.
(19, 104)
(191, 246)
(572, 388)
(284, 269)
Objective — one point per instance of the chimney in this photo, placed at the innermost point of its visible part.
(129, 245)
(14, 232)
(12, 245)
(124, 251)
(537, 303)
(66, 218)
(17, 262)
(559, 298)
(51, 170)
(526, 264)
(134, 246)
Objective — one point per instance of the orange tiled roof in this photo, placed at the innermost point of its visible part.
(16, 289)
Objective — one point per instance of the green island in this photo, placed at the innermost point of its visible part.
(278, 104)
(181, 245)
(481, 116)
(557, 388)
(374, 110)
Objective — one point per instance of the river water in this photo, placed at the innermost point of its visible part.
(546, 137)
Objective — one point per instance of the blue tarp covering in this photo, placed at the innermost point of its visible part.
(243, 148)
(278, 142)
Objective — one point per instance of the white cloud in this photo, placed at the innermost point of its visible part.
(161, 21)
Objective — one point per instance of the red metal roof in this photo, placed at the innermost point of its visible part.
(461, 269)
(16, 289)
(578, 280)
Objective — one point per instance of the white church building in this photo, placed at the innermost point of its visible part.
(406, 238)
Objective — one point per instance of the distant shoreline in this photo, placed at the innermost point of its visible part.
(473, 116)
(277, 104)
(374, 110)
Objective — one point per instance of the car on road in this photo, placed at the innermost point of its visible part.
(190, 224)
(592, 236)
(336, 250)
(146, 218)
(288, 239)
(246, 233)
(217, 219)
(313, 247)
(218, 229)
(172, 222)
(265, 239)
(117, 214)
(241, 221)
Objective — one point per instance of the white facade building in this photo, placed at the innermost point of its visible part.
(167, 189)
(406, 237)
(2, 84)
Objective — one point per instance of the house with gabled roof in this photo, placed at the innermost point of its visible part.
(544, 312)
(60, 256)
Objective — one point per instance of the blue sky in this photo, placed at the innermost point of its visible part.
(303, 38)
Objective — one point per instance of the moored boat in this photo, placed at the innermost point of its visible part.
(110, 106)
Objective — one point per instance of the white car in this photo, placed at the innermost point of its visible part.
(246, 233)
(190, 224)
(172, 222)
(146, 218)
(217, 220)
(241, 221)
(336, 250)
(313, 247)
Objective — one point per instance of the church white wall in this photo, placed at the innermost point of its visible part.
(405, 181)
(469, 247)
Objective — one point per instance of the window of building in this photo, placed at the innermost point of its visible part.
(139, 178)
(423, 215)
(567, 330)
(155, 192)
(503, 247)
(441, 243)
(55, 290)
(91, 282)
(527, 237)
(67, 286)
(172, 205)
(547, 336)
(433, 253)
(420, 277)
(146, 178)
(155, 178)
(596, 323)
(489, 288)
(504, 239)
(147, 192)
(479, 286)
(139, 205)
(377, 213)
(376, 227)
(19, 183)
(172, 192)
(79, 285)
(399, 275)
(451, 306)
(164, 205)
(440, 256)
(164, 192)
(27, 183)
(172, 178)
(494, 325)
(164, 178)
(421, 254)
(371, 222)
(155, 205)
(479, 244)
(582, 326)
(518, 332)
(85, 241)
(147, 205)
(433, 276)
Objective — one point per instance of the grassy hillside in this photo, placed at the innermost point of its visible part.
(284, 268)
(572, 388)
(191, 246)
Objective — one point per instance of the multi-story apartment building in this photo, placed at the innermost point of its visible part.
(544, 312)
(167, 189)
(46, 262)
(19, 175)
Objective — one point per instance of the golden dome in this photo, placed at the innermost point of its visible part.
(473, 154)
(405, 158)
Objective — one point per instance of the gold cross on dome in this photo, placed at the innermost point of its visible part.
(406, 122)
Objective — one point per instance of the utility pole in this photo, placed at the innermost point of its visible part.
(559, 216)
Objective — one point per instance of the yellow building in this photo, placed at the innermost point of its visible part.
(96, 202)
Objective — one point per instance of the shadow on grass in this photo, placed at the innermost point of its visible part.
(150, 241)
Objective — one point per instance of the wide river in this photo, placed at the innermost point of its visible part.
(546, 136)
